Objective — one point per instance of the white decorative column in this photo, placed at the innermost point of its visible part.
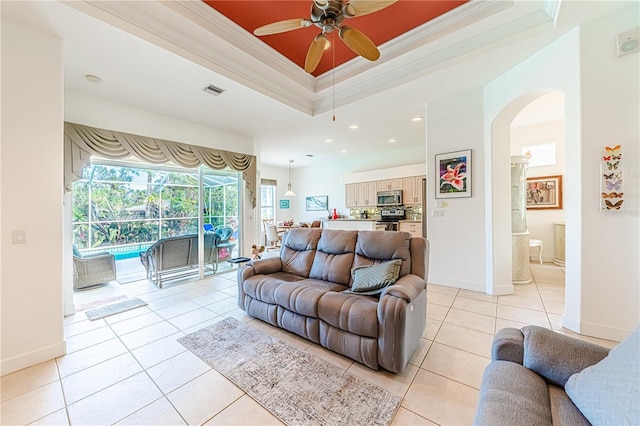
(558, 259)
(521, 274)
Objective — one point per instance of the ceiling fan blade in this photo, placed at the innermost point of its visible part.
(314, 54)
(281, 26)
(359, 43)
(364, 7)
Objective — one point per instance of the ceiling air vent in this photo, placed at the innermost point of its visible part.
(213, 90)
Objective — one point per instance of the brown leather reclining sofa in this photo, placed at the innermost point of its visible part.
(303, 291)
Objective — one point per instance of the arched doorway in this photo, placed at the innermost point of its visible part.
(523, 109)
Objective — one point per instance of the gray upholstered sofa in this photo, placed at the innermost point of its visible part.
(306, 291)
(540, 377)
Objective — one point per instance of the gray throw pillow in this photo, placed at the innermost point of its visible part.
(608, 393)
(373, 279)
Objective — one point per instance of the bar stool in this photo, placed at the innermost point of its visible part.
(537, 243)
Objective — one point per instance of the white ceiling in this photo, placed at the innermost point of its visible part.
(150, 55)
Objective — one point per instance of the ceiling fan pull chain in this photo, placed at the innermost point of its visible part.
(333, 74)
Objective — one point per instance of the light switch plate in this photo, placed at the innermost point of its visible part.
(18, 236)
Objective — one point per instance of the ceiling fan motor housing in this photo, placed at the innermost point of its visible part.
(329, 16)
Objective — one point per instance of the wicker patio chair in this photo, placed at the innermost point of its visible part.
(94, 270)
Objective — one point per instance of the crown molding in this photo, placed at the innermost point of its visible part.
(203, 35)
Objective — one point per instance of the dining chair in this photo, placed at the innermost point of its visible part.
(273, 237)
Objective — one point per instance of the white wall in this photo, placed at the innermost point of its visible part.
(540, 222)
(601, 94)
(108, 115)
(31, 196)
(457, 238)
(610, 94)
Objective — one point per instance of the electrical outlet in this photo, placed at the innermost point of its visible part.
(437, 213)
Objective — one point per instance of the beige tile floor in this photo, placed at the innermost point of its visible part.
(128, 369)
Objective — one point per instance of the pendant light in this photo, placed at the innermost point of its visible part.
(289, 192)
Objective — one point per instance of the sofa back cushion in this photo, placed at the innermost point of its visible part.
(298, 250)
(334, 256)
(374, 247)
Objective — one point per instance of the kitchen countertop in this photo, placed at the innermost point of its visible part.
(346, 219)
(411, 220)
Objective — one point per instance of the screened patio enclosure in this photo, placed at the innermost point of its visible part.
(123, 208)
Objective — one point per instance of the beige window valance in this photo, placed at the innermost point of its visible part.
(80, 142)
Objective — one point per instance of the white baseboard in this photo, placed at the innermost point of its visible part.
(466, 285)
(601, 331)
(29, 359)
(498, 290)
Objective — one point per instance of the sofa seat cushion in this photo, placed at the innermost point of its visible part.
(352, 313)
(512, 395)
(263, 287)
(302, 296)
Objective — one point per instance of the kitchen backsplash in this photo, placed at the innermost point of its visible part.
(413, 213)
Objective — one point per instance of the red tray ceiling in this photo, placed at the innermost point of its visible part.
(380, 26)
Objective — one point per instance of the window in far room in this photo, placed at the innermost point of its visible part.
(543, 154)
(268, 199)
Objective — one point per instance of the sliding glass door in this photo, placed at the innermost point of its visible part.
(124, 208)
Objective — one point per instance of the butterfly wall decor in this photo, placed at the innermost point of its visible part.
(613, 166)
(612, 195)
(613, 176)
(612, 182)
(613, 185)
(611, 206)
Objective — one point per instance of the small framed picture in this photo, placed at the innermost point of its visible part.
(284, 204)
(317, 203)
(453, 171)
(544, 192)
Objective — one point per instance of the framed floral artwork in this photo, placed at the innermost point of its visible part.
(454, 174)
(544, 192)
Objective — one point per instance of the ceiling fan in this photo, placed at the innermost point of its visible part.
(328, 16)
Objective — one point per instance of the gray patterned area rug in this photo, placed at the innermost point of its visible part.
(297, 387)
(116, 308)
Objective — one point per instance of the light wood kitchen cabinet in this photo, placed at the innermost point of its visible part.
(389, 184)
(362, 194)
(412, 190)
(414, 228)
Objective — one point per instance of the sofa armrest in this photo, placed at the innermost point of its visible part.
(269, 265)
(402, 318)
(266, 266)
(408, 288)
(555, 356)
(508, 345)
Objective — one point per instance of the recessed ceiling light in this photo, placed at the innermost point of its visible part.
(93, 78)
(344, 151)
(328, 140)
(417, 119)
(392, 140)
(353, 126)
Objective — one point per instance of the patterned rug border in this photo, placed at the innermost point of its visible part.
(116, 308)
(254, 361)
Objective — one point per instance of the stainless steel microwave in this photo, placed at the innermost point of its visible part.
(389, 198)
